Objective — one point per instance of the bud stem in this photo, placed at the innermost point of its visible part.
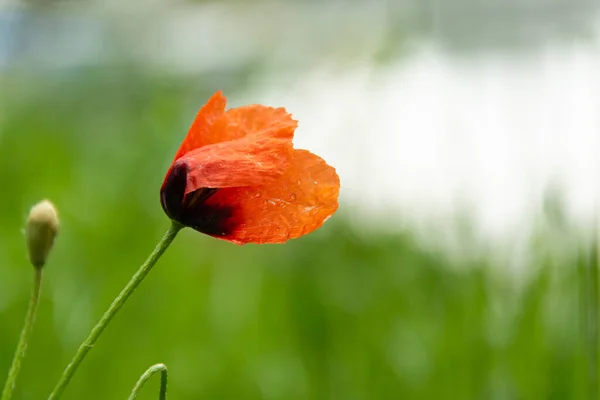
(162, 368)
(25, 335)
(116, 305)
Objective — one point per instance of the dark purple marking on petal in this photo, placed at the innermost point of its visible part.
(191, 210)
(172, 192)
(209, 219)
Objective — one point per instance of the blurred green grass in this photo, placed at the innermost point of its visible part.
(339, 314)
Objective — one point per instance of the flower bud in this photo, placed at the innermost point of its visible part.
(40, 230)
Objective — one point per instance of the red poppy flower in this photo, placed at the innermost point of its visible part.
(237, 177)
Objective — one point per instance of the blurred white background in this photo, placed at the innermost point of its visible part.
(427, 108)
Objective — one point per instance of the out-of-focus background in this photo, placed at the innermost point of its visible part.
(461, 264)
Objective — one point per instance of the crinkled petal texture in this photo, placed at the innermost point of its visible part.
(251, 160)
(296, 203)
(206, 117)
(215, 125)
(237, 177)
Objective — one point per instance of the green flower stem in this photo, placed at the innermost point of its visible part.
(116, 305)
(591, 286)
(162, 368)
(25, 334)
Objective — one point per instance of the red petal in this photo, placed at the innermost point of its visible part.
(206, 117)
(240, 122)
(250, 161)
(215, 125)
(296, 203)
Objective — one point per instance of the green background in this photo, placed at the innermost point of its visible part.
(354, 311)
(344, 313)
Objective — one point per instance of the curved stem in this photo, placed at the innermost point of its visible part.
(162, 368)
(116, 305)
(25, 334)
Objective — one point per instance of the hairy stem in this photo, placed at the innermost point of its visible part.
(162, 395)
(25, 335)
(116, 305)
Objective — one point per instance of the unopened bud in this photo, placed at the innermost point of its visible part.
(40, 231)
